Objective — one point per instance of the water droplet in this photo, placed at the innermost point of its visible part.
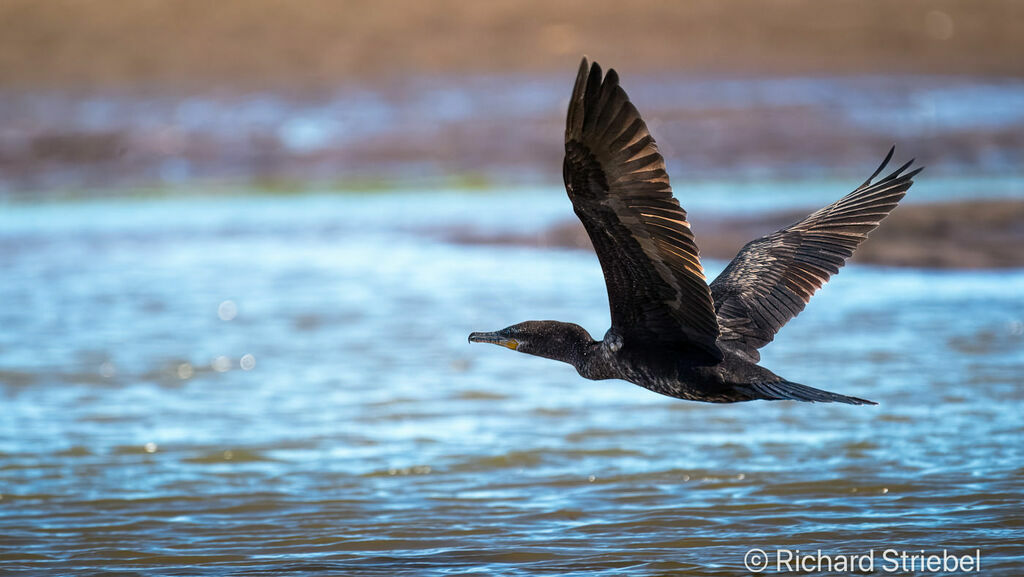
(228, 455)
(107, 370)
(591, 478)
(185, 371)
(150, 447)
(885, 490)
(227, 310)
(221, 364)
(247, 362)
(740, 477)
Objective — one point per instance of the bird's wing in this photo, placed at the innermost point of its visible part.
(772, 278)
(617, 182)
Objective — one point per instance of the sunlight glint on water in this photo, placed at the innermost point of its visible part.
(284, 384)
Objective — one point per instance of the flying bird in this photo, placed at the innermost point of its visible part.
(671, 332)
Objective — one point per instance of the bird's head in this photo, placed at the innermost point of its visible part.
(549, 339)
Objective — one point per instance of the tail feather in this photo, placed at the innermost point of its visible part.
(789, 391)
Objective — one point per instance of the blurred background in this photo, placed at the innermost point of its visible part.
(284, 94)
(243, 244)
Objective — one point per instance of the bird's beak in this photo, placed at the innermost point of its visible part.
(496, 338)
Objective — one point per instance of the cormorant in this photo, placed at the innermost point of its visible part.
(671, 332)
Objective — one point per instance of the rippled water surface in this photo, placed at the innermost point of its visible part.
(261, 386)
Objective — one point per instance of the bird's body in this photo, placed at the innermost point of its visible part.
(690, 377)
(671, 332)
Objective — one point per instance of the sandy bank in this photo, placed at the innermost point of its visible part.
(311, 45)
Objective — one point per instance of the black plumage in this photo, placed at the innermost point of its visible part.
(671, 332)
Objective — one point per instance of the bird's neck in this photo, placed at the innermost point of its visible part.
(576, 351)
(595, 361)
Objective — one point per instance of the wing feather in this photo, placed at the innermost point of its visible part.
(772, 278)
(620, 190)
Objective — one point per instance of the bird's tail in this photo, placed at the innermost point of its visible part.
(789, 391)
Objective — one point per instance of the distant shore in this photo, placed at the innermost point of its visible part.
(163, 46)
(956, 235)
(184, 93)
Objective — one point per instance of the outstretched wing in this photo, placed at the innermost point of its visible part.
(772, 278)
(617, 182)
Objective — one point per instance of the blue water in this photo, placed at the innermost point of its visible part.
(262, 385)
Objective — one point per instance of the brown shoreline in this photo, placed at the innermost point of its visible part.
(985, 234)
(311, 45)
(185, 93)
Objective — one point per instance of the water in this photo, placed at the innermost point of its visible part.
(368, 437)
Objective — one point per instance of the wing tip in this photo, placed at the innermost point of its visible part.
(881, 167)
(585, 93)
(894, 175)
(574, 116)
